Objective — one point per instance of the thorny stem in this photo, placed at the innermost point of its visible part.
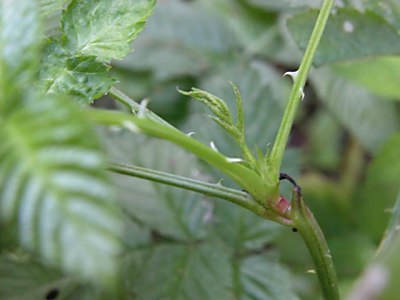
(307, 226)
(299, 81)
(215, 190)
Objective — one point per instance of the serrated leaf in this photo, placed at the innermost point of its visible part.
(104, 28)
(368, 118)
(172, 212)
(183, 272)
(53, 190)
(380, 75)
(348, 35)
(82, 77)
(19, 43)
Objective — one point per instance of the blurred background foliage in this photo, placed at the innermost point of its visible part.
(344, 149)
(345, 145)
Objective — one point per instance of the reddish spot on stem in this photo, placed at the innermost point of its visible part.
(283, 205)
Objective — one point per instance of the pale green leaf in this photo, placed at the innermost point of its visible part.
(181, 271)
(379, 75)
(19, 42)
(49, 6)
(104, 28)
(54, 191)
(82, 77)
(349, 35)
(365, 116)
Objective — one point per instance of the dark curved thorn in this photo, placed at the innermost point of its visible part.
(284, 176)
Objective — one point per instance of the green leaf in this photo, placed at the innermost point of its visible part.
(368, 118)
(19, 44)
(49, 6)
(170, 49)
(80, 76)
(54, 192)
(261, 278)
(380, 189)
(380, 75)
(172, 212)
(349, 35)
(380, 279)
(181, 271)
(283, 4)
(104, 28)
(21, 278)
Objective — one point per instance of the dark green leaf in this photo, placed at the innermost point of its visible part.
(54, 192)
(182, 272)
(21, 278)
(103, 28)
(349, 35)
(80, 76)
(260, 278)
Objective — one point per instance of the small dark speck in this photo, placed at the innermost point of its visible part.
(52, 294)
(294, 229)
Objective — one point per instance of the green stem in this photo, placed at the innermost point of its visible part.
(133, 106)
(245, 177)
(215, 190)
(307, 226)
(297, 89)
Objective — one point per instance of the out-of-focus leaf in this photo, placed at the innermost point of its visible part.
(283, 4)
(19, 44)
(104, 28)
(369, 119)
(324, 142)
(80, 76)
(388, 9)
(261, 278)
(171, 49)
(181, 271)
(172, 212)
(54, 193)
(49, 6)
(23, 279)
(380, 75)
(380, 188)
(349, 35)
(380, 279)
